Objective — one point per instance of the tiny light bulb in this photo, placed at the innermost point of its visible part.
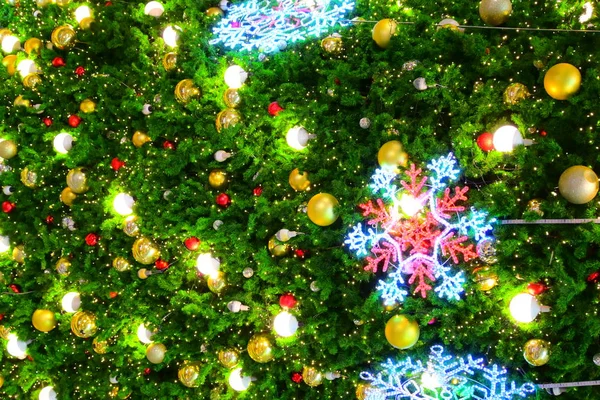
(82, 12)
(123, 204)
(171, 35)
(206, 264)
(26, 67)
(4, 244)
(235, 76)
(63, 142)
(154, 9)
(10, 43)
(297, 138)
(47, 393)
(285, 324)
(238, 382)
(71, 302)
(144, 334)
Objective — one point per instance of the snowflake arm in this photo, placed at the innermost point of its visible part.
(382, 180)
(449, 287)
(444, 168)
(393, 291)
(358, 241)
(477, 224)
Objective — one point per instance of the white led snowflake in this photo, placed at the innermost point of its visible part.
(443, 377)
(268, 26)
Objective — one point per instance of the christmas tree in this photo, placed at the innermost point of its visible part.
(281, 200)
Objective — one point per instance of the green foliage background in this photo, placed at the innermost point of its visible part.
(327, 94)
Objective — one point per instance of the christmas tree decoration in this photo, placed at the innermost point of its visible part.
(515, 92)
(287, 301)
(15, 347)
(392, 155)
(486, 250)
(535, 206)
(144, 334)
(147, 109)
(536, 288)
(449, 23)
(18, 254)
(285, 324)
(257, 191)
(31, 81)
(227, 118)
(10, 63)
(229, 358)
(221, 155)
(192, 243)
(299, 180)
(578, 184)
(189, 374)
(238, 382)
(43, 320)
(58, 62)
(10, 43)
(362, 391)
(155, 353)
(63, 266)
(236, 306)
(71, 302)
(260, 348)
(63, 142)
(402, 332)
(321, 209)
(171, 35)
(161, 265)
(74, 121)
(47, 393)
(277, 247)
(383, 32)
(443, 376)
(145, 251)
(154, 9)
(186, 90)
(8, 149)
(47, 121)
(364, 123)
(507, 137)
(67, 196)
(20, 101)
(485, 278)
(525, 308)
(297, 138)
(91, 239)
(140, 138)
(296, 377)
(83, 16)
(216, 282)
(100, 346)
(87, 106)
(131, 226)
(420, 84)
(235, 76)
(217, 179)
(207, 265)
(274, 109)
(169, 61)
(232, 98)
(63, 37)
(596, 359)
(214, 12)
(83, 324)
(123, 204)
(332, 44)
(223, 200)
(26, 67)
(562, 81)
(536, 352)
(485, 141)
(4, 244)
(311, 376)
(495, 12)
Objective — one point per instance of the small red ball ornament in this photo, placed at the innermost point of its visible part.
(223, 200)
(275, 108)
(543, 133)
(161, 264)
(168, 145)
(147, 371)
(192, 243)
(287, 301)
(297, 377)
(113, 294)
(536, 288)
(49, 220)
(337, 81)
(1, 317)
(74, 121)
(485, 141)
(47, 121)
(80, 71)
(300, 253)
(91, 239)
(257, 191)
(58, 62)
(8, 206)
(594, 277)
(116, 164)
(15, 288)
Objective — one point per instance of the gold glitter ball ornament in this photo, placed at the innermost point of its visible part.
(10, 62)
(216, 283)
(100, 346)
(87, 106)
(260, 348)
(32, 80)
(131, 227)
(83, 324)
(140, 138)
(277, 247)
(8, 149)
(562, 80)
(18, 254)
(486, 250)
(495, 12)
(63, 266)
(227, 118)
(515, 92)
(169, 61)
(392, 155)
(121, 264)
(535, 206)
(214, 12)
(232, 98)
(189, 373)
(217, 179)
(77, 180)
(145, 251)
(67, 196)
(332, 44)
(186, 91)
(536, 352)
(362, 391)
(311, 376)
(229, 358)
(485, 278)
(299, 180)
(155, 353)
(63, 37)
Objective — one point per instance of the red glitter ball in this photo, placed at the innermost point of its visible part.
(161, 264)
(92, 239)
(192, 243)
(223, 200)
(300, 253)
(49, 220)
(168, 145)
(113, 295)
(297, 377)
(80, 71)
(536, 288)
(1, 317)
(257, 191)
(275, 108)
(287, 301)
(116, 164)
(74, 121)
(47, 121)
(594, 277)
(147, 371)
(485, 141)
(543, 133)
(58, 62)
(8, 206)
(15, 288)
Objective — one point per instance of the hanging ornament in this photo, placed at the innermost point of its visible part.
(67, 196)
(168, 145)
(297, 137)
(277, 247)
(63, 37)
(301, 253)
(8, 149)
(155, 353)
(362, 391)
(7, 190)
(578, 184)
(140, 138)
(185, 91)
(364, 123)
(495, 12)
(131, 226)
(485, 278)
(299, 180)
(232, 98)
(74, 121)
(402, 332)
(223, 200)
(392, 155)
(161, 265)
(449, 23)
(333, 44)
(227, 118)
(217, 179)
(260, 348)
(67, 222)
(485, 141)
(91, 239)
(221, 155)
(383, 32)
(236, 306)
(80, 71)
(18, 254)
(536, 288)
(58, 62)
(257, 191)
(147, 109)
(596, 359)
(536, 352)
(525, 308)
(169, 61)
(296, 377)
(311, 376)
(8, 206)
(216, 282)
(214, 12)
(47, 121)
(77, 180)
(63, 266)
(420, 84)
(22, 102)
(83, 324)
(562, 80)
(10, 62)
(229, 358)
(535, 206)
(287, 301)
(100, 346)
(515, 92)
(154, 9)
(486, 250)
(121, 264)
(594, 277)
(189, 374)
(274, 109)
(31, 81)
(192, 243)
(217, 224)
(314, 286)
(321, 209)
(145, 251)
(43, 320)
(248, 272)
(87, 106)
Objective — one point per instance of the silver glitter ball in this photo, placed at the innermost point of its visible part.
(596, 359)
(166, 194)
(314, 287)
(217, 224)
(365, 123)
(248, 272)
(69, 223)
(420, 84)
(410, 65)
(486, 250)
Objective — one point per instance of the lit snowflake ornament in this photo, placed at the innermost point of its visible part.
(443, 377)
(416, 229)
(268, 26)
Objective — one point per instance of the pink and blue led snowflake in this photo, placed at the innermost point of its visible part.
(417, 230)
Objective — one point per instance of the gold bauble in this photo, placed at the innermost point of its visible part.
(10, 62)
(43, 320)
(578, 184)
(186, 91)
(62, 3)
(67, 196)
(131, 227)
(217, 179)
(121, 264)
(392, 155)
(495, 12)
(21, 102)
(485, 278)
(4, 32)
(42, 3)
(321, 209)
(214, 12)
(4, 332)
(383, 32)
(536, 352)
(63, 37)
(535, 206)
(32, 80)
(155, 353)
(277, 247)
(401, 332)
(86, 23)
(362, 390)
(229, 358)
(8, 149)
(189, 373)
(140, 138)
(260, 348)
(83, 324)
(169, 61)
(63, 266)
(562, 80)
(311, 376)
(100, 346)
(32, 45)
(142, 273)
(332, 44)
(299, 180)
(1, 381)
(232, 98)
(18, 254)
(77, 180)
(216, 282)
(87, 106)
(389, 307)
(145, 251)
(227, 118)
(515, 92)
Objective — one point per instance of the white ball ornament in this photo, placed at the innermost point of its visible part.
(147, 109)
(154, 9)
(525, 308)
(285, 324)
(47, 393)
(238, 382)
(7, 190)
(206, 264)
(420, 84)
(123, 204)
(15, 347)
(71, 302)
(144, 334)
(4, 244)
(298, 137)
(63, 142)
(235, 76)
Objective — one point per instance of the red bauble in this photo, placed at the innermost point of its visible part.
(147, 371)
(223, 200)
(536, 288)
(113, 294)
(287, 301)
(1, 317)
(58, 62)
(79, 71)
(161, 264)
(300, 253)
(49, 220)
(257, 191)
(92, 239)
(168, 145)
(485, 141)
(192, 243)
(116, 164)
(47, 121)
(15, 288)
(297, 377)
(337, 81)
(594, 277)
(432, 321)
(275, 108)
(8, 206)
(543, 133)
(74, 120)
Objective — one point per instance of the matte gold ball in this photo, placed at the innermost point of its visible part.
(169, 61)
(8, 149)
(121, 264)
(77, 180)
(145, 251)
(67, 196)
(311, 376)
(401, 332)
(83, 324)
(392, 155)
(383, 32)
(33, 45)
(140, 138)
(321, 209)
(217, 179)
(260, 348)
(299, 180)
(87, 106)
(227, 118)
(277, 247)
(189, 373)
(495, 12)
(63, 266)
(43, 320)
(155, 353)
(578, 184)
(18, 254)
(232, 98)
(229, 358)
(186, 91)
(562, 80)
(63, 37)
(216, 283)
(536, 352)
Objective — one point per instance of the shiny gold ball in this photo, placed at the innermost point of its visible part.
(121, 264)
(216, 283)
(8, 149)
(131, 227)
(4, 32)
(77, 180)
(63, 266)
(62, 3)
(86, 23)
(140, 138)
(536, 352)
(31, 81)
(485, 278)
(67, 196)
(535, 206)
(217, 179)
(578, 184)
(229, 358)
(232, 98)
(362, 391)
(332, 44)
(87, 106)
(145, 251)
(260, 348)
(33, 45)
(4, 332)
(562, 80)
(100, 346)
(42, 3)
(227, 118)
(401, 332)
(43, 320)
(277, 247)
(83, 324)
(169, 61)
(299, 180)
(321, 209)
(383, 32)
(311, 376)
(18, 254)
(155, 353)
(389, 307)
(486, 250)
(392, 155)
(214, 12)
(189, 373)
(515, 92)
(10, 62)
(186, 91)
(63, 37)
(22, 102)
(1, 381)
(495, 12)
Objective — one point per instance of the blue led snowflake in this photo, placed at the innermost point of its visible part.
(443, 377)
(268, 26)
